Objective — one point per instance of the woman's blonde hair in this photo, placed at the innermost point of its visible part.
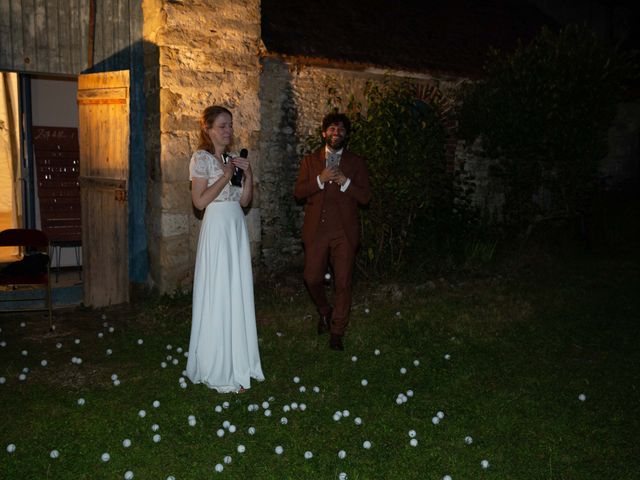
(206, 121)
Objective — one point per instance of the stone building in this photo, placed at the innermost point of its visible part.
(269, 61)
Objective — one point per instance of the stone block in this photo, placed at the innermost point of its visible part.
(173, 224)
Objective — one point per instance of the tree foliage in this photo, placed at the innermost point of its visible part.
(544, 113)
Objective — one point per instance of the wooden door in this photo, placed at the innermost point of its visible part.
(103, 109)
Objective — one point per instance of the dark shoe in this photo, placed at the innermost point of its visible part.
(335, 342)
(324, 323)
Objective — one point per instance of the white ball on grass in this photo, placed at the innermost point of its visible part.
(327, 276)
(267, 413)
(114, 376)
(336, 417)
(220, 432)
(175, 361)
(11, 448)
(54, 453)
(357, 421)
(303, 407)
(284, 420)
(142, 413)
(346, 413)
(286, 408)
(3, 380)
(265, 405)
(413, 442)
(169, 347)
(582, 397)
(294, 405)
(435, 420)
(155, 427)
(399, 401)
(226, 424)
(364, 382)
(440, 415)
(279, 450)
(227, 459)
(218, 409)
(468, 440)
(43, 363)
(484, 464)
(251, 430)
(58, 345)
(25, 353)
(192, 422)
(296, 379)
(128, 475)
(111, 329)
(241, 449)
(416, 363)
(412, 433)
(403, 370)
(308, 455)
(376, 352)
(366, 444)
(109, 351)
(100, 335)
(354, 359)
(126, 443)
(22, 377)
(447, 357)
(225, 404)
(303, 389)
(447, 477)
(409, 393)
(219, 468)
(232, 428)
(316, 389)
(156, 404)
(81, 401)
(105, 457)
(163, 364)
(140, 341)
(116, 383)
(157, 438)
(342, 476)
(77, 341)
(342, 454)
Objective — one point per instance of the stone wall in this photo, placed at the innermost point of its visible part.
(293, 101)
(197, 53)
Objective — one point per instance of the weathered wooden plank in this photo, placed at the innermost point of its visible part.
(28, 58)
(52, 28)
(6, 50)
(41, 39)
(64, 36)
(103, 96)
(121, 32)
(17, 46)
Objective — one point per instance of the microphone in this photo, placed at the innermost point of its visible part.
(236, 178)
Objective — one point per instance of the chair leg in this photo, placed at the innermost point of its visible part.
(49, 300)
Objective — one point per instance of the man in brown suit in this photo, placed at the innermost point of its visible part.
(332, 181)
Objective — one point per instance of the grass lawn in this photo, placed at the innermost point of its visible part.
(520, 348)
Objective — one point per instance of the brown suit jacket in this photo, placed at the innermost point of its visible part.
(359, 192)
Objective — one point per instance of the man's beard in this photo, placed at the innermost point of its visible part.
(336, 143)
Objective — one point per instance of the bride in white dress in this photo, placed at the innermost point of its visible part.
(223, 349)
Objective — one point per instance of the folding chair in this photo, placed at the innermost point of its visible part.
(30, 273)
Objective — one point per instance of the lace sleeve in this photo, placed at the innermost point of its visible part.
(200, 165)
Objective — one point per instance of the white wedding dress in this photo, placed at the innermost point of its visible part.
(223, 349)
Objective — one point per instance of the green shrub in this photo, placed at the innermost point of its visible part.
(544, 112)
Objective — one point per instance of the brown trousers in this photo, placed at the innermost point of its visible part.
(330, 247)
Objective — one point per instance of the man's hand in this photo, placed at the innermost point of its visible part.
(339, 177)
(328, 175)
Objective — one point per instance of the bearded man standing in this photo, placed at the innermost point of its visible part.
(332, 181)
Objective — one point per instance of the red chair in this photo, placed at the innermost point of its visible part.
(30, 273)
